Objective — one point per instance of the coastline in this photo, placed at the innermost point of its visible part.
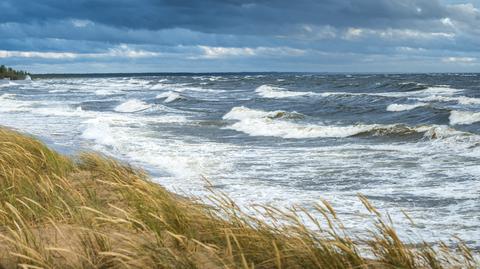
(92, 211)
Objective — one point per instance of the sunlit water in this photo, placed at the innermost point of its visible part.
(407, 142)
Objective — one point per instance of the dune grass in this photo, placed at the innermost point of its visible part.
(94, 212)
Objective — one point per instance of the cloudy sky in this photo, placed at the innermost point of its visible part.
(60, 36)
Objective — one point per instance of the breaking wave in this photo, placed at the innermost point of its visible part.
(8, 103)
(462, 100)
(132, 105)
(6, 83)
(404, 107)
(281, 124)
(99, 131)
(464, 117)
(170, 96)
(417, 94)
(278, 92)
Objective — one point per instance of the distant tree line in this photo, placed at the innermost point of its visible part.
(8, 72)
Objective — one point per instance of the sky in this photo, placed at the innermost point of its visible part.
(101, 36)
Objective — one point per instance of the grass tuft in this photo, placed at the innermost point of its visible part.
(95, 212)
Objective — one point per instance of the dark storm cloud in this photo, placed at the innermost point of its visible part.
(226, 16)
(290, 35)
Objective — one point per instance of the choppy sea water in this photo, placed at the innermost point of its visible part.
(407, 142)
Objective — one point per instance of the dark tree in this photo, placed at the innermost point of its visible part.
(10, 73)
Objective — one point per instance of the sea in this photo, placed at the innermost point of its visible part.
(410, 143)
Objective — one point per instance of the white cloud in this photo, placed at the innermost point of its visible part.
(121, 51)
(227, 52)
(37, 54)
(447, 22)
(459, 60)
(125, 51)
(81, 23)
(353, 33)
(395, 34)
(406, 49)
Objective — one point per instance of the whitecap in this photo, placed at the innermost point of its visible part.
(268, 123)
(244, 113)
(278, 124)
(8, 103)
(58, 91)
(99, 131)
(170, 96)
(441, 90)
(462, 100)
(464, 117)
(403, 107)
(159, 86)
(63, 111)
(268, 91)
(6, 83)
(105, 92)
(419, 94)
(132, 105)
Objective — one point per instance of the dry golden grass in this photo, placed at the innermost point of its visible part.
(94, 212)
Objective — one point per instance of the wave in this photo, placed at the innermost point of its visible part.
(278, 92)
(159, 86)
(274, 123)
(63, 111)
(404, 107)
(430, 132)
(7, 83)
(99, 131)
(462, 100)
(7, 96)
(103, 92)
(182, 87)
(132, 105)
(424, 93)
(8, 103)
(279, 124)
(464, 117)
(442, 90)
(244, 113)
(59, 91)
(258, 127)
(170, 96)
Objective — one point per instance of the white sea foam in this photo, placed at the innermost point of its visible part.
(7, 83)
(7, 96)
(170, 96)
(8, 103)
(242, 113)
(105, 92)
(58, 91)
(462, 100)
(404, 107)
(426, 93)
(276, 124)
(464, 117)
(132, 105)
(440, 90)
(268, 91)
(63, 111)
(160, 86)
(99, 131)
(263, 123)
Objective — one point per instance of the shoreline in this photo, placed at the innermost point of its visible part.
(91, 210)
